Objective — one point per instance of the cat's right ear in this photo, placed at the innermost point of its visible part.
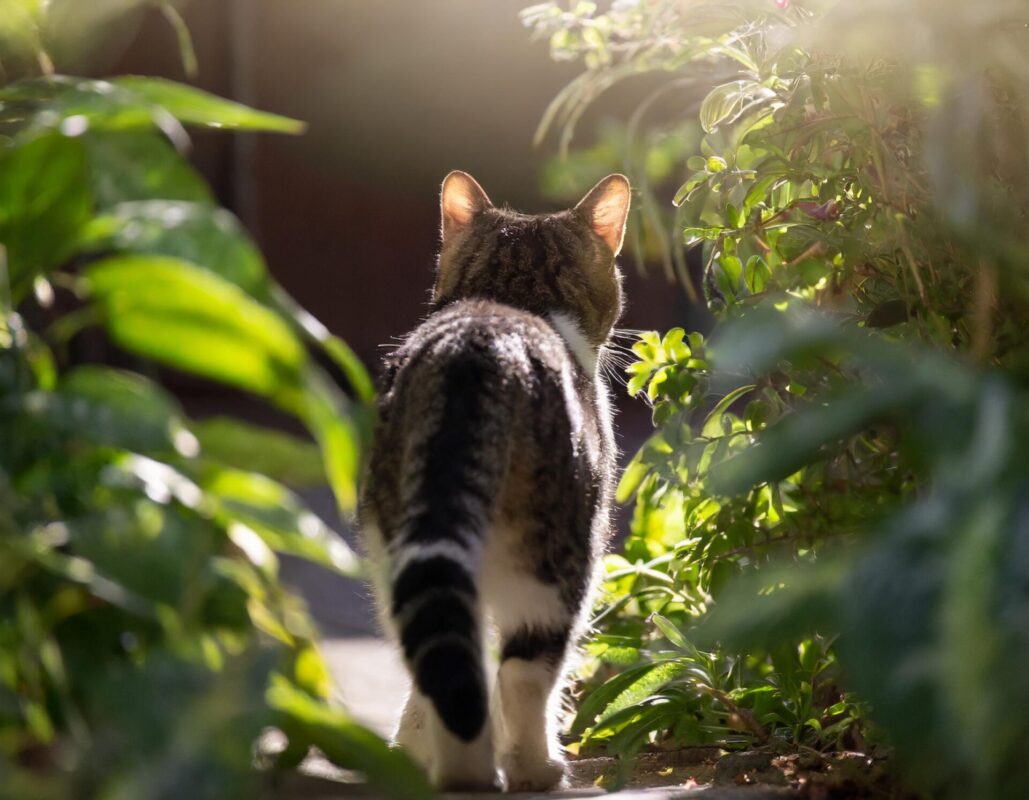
(461, 199)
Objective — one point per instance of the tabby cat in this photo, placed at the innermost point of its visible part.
(489, 487)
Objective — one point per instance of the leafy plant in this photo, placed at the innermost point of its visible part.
(832, 478)
(145, 640)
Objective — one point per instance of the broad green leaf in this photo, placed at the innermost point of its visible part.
(140, 166)
(183, 316)
(75, 106)
(44, 201)
(642, 687)
(631, 479)
(310, 722)
(727, 103)
(277, 516)
(276, 454)
(120, 409)
(330, 417)
(202, 234)
(195, 107)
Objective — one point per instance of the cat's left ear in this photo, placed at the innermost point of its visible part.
(606, 207)
(461, 198)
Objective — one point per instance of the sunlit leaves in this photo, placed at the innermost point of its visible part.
(43, 203)
(272, 453)
(176, 313)
(208, 237)
(142, 613)
(728, 102)
(192, 106)
(309, 723)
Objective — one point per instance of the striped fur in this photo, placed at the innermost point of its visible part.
(489, 484)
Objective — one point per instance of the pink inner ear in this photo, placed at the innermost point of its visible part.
(462, 198)
(609, 214)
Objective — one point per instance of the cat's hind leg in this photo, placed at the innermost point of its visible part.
(534, 629)
(412, 733)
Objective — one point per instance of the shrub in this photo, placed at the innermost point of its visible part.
(145, 639)
(833, 500)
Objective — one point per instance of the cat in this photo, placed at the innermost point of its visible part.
(489, 485)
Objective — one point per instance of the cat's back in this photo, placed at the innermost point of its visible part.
(519, 351)
(481, 387)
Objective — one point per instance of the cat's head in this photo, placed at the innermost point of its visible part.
(544, 263)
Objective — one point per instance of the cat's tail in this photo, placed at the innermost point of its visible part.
(454, 477)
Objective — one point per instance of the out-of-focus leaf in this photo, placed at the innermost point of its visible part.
(209, 237)
(337, 350)
(147, 548)
(117, 408)
(140, 166)
(43, 203)
(344, 742)
(784, 604)
(74, 106)
(329, 416)
(195, 107)
(728, 102)
(273, 453)
(195, 725)
(278, 517)
(799, 438)
(178, 314)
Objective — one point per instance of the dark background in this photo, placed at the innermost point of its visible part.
(395, 95)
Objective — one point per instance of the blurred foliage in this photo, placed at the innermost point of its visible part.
(146, 642)
(834, 499)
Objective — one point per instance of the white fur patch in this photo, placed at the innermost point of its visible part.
(568, 328)
(447, 548)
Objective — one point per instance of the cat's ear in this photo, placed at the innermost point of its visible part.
(461, 198)
(606, 207)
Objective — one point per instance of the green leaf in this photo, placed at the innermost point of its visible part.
(643, 686)
(121, 409)
(176, 313)
(195, 107)
(140, 166)
(713, 424)
(799, 439)
(631, 479)
(783, 603)
(330, 417)
(756, 274)
(728, 102)
(597, 700)
(277, 516)
(281, 456)
(346, 743)
(206, 236)
(44, 201)
(671, 633)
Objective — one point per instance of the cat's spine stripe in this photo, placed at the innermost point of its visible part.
(437, 552)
